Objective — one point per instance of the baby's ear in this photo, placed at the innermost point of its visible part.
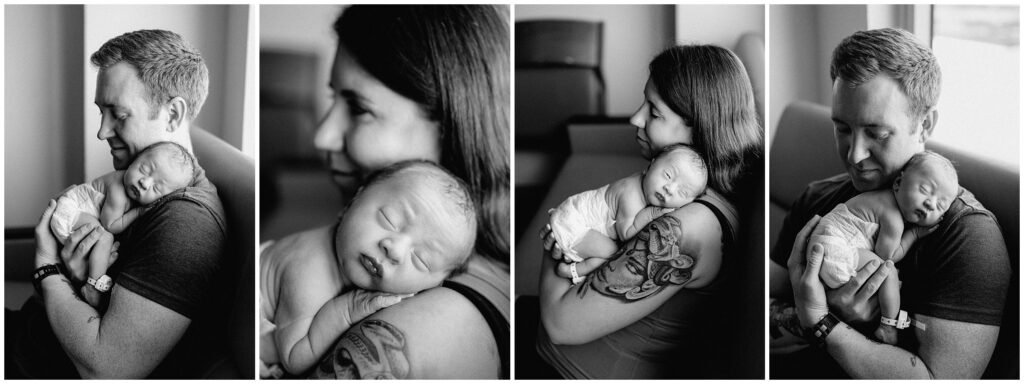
(896, 183)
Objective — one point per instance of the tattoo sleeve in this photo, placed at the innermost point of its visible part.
(373, 349)
(782, 317)
(645, 265)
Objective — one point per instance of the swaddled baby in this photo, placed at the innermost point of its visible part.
(887, 222)
(410, 227)
(116, 199)
(676, 177)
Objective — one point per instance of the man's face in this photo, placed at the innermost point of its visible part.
(125, 123)
(874, 130)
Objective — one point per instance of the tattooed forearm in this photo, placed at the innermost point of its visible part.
(782, 316)
(645, 265)
(373, 349)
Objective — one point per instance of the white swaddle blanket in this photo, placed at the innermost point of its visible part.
(577, 215)
(840, 234)
(80, 199)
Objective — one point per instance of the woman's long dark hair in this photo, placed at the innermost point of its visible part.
(453, 61)
(708, 87)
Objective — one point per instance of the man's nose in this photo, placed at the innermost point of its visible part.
(396, 247)
(105, 132)
(858, 149)
(330, 131)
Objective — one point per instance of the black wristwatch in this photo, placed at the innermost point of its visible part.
(43, 272)
(817, 333)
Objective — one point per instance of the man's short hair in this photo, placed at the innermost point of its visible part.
(168, 66)
(895, 53)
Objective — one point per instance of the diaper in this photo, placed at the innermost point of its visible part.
(80, 199)
(841, 234)
(579, 214)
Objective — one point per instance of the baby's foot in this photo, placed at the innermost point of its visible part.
(886, 334)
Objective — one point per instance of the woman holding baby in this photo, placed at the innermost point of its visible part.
(423, 83)
(652, 309)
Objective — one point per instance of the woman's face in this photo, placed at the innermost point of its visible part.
(657, 126)
(369, 126)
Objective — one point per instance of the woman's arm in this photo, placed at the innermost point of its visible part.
(638, 279)
(437, 334)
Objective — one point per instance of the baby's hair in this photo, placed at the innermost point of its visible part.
(179, 157)
(693, 155)
(919, 158)
(455, 190)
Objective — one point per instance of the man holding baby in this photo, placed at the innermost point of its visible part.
(158, 320)
(885, 85)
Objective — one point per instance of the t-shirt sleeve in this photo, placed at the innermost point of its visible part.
(971, 275)
(176, 257)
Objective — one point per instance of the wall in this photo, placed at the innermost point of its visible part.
(633, 35)
(717, 24)
(43, 107)
(302, 28)
(802, 38)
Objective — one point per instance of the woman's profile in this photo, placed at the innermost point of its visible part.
(426, 83)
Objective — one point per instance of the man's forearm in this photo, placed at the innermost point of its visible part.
(784, 330)
(863, 358)
(75, 323)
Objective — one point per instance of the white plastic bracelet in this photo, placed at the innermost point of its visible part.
(576, 279)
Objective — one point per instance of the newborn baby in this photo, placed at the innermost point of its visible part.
(116, 199)
(617, 211)
(888, 222)
(410, 227)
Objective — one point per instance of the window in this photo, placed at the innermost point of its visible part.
(978, 48)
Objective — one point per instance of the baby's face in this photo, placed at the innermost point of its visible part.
(152, 175)
(401, 235)
(925, 193)
(672, 181)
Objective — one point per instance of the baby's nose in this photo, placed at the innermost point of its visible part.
(145, 183)
(396, 248)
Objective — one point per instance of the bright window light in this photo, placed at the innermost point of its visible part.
(978, 48)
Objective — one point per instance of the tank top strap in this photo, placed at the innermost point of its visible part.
(725, 211)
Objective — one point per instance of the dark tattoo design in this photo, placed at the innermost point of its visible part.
(782, 316)
(645, 264)
(92, 318)
(373, 349)
(913, 361)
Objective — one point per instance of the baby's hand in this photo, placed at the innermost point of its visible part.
(362, 303)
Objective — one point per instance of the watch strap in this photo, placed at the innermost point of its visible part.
(43, 272)
(821, 329)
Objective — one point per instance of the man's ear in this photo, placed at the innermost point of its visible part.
(928, 123)
(177, 109)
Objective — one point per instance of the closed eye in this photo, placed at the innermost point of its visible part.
(387, 220)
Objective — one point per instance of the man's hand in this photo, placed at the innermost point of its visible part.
(46, 244)
(80, 244)
(855, 301)
(808, 292)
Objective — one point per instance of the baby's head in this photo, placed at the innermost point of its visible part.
(925, 188)
(410, 227)
(159, 169)
(675, 177)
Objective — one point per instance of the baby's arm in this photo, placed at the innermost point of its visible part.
(629, 211)
(644, 217)
(306, 340)
(890, 236)
(98, 265)
(114, 215)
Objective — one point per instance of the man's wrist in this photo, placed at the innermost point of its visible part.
(818, 333)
